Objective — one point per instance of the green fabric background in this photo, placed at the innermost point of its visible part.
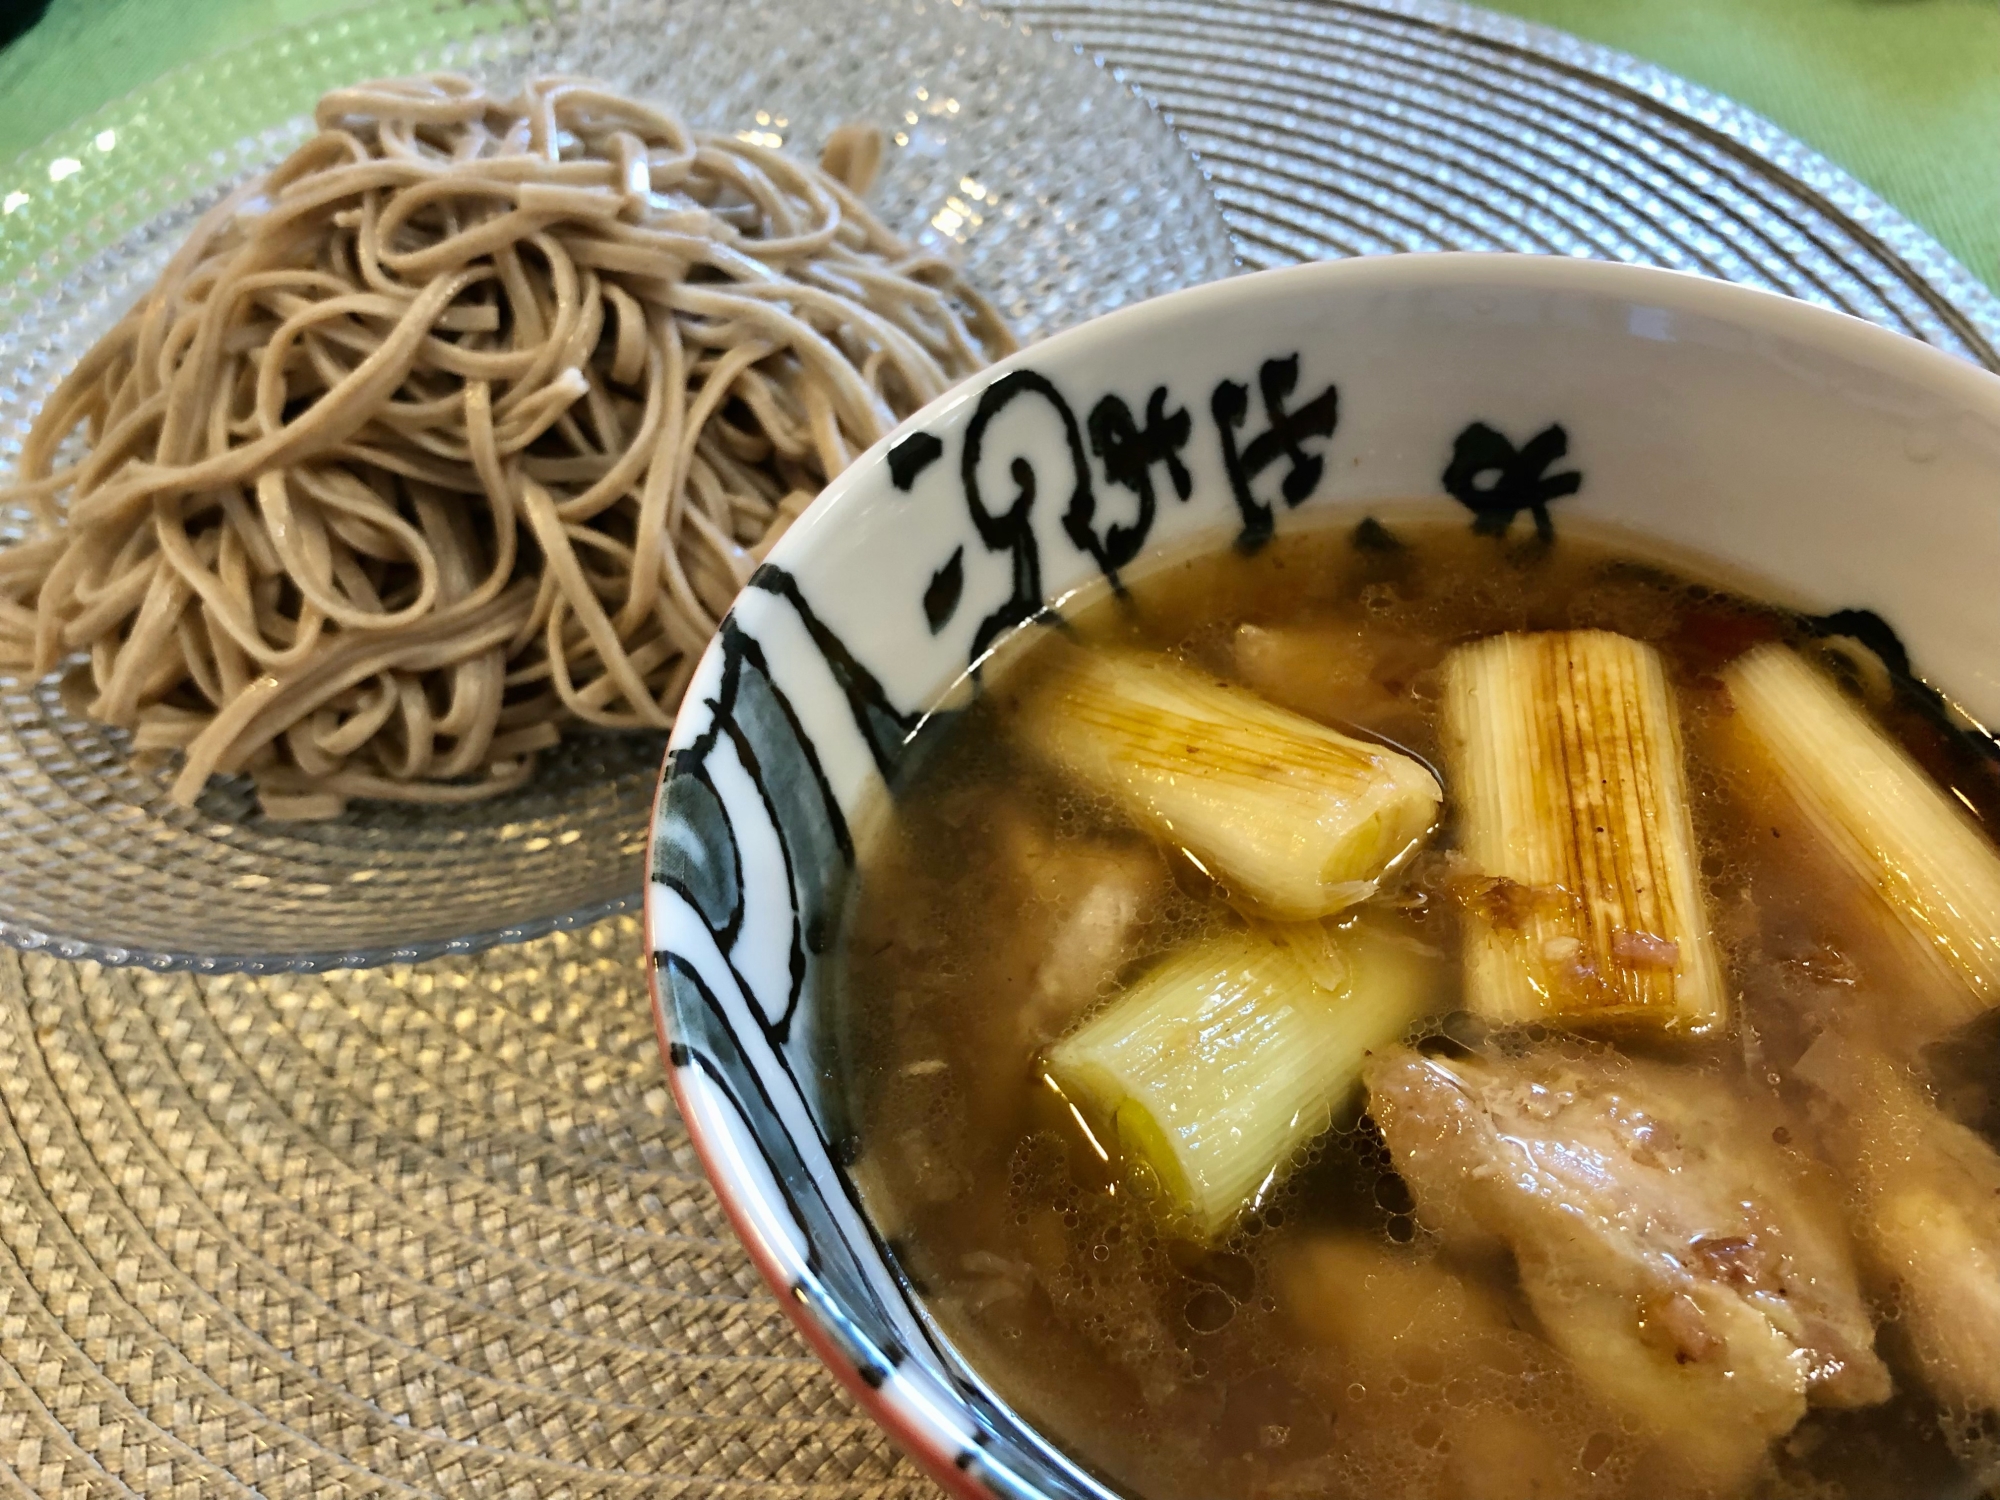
(1903, 93)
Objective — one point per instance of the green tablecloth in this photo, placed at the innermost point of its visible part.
(1903, 93)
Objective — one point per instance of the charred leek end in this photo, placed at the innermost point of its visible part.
(1217, 1066)
(1583, 894)
(1289, 816)
(1876, 810)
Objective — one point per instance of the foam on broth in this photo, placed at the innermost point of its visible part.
(1327, 1348)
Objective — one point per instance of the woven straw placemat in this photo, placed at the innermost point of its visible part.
(437, 1230)
(431, 1230)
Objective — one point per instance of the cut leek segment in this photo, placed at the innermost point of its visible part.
(1583, 893)
(1291, 817)
(1218, 1065)
(1877, 812)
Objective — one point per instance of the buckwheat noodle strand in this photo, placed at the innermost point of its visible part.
(463, 426)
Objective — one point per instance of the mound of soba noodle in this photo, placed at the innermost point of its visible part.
(464, 425)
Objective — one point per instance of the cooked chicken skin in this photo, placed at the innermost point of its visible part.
(1690, 1268)
(1928, 1217)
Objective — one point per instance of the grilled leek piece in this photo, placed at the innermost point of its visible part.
(1213, 1069)
(1291, 817)
(1583, 890)
(1877, 812)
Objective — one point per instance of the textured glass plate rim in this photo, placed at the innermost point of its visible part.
(1786, 163)
(45, 170)
(42, 167)
(1894, 235)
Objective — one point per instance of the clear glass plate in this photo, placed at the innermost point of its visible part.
(1061, 191)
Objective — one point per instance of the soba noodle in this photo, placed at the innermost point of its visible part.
(464, 425)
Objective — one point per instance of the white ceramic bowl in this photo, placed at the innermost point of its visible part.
(1844, 467)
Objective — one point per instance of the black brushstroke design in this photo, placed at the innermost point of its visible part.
(1372, 536)
(1869, 628)
(1520, 478)
(696, 854)
(1876, 633)
(1129, 453)
(771, 790)
(882, 724)
(837, 1291)
(911, 457)
(852, 1314)
(942, 594)
(1281, 439)
(752, 714)
(1012, 530)
(710, 1044)
(896, 1254)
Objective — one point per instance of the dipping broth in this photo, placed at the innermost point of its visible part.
(1669, 1175)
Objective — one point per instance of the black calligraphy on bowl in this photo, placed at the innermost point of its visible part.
(1144, 453)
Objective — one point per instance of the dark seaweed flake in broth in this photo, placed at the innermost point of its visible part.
(1335, 1343)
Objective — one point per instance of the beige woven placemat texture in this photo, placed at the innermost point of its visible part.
(424, 1231)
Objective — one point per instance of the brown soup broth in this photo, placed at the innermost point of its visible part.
(1279, 1363)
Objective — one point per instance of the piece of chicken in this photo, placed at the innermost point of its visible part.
(1083, 900)
(1693, 1271)
(1340, 673)
(1927, 1218)
(1388, 1311)
(1067, 910)
(1419, 1345)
